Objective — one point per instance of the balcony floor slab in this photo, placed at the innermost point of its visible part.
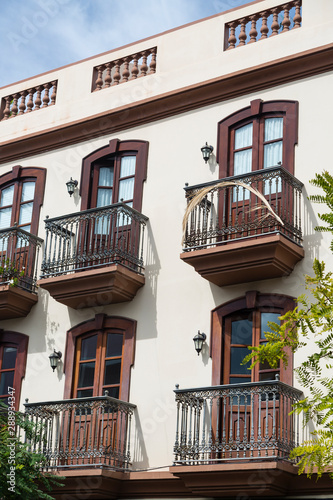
(15, 302)
(96, 287)
(251, 259)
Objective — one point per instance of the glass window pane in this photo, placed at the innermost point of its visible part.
(241, 332)
(113, 392)
(6, 380)
(7, 195)
(265, 318)
(28, 191)
(9, 358)
(273, 129)
(5, 217)
(84, 393)
(88, 347)
(272, 154)
(86, 374)
(26, 213)
(114, 345)
(243, 162)
(243, 136)
(127, 166)
(104, 197)
(106, 176)
(239, 380)
(237, 354)
(126, 189)
(267, 376)
(112, 371)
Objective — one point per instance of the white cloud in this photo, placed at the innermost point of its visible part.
(46, 34)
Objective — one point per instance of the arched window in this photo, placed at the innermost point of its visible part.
(21, 196)
(99, 356)
(114, 173)
(260, 136)
(239, 324)
(13, 357)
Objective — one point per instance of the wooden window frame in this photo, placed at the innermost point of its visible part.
(115, 149)
(16, 177)
(99, 324)
(20, 341)
(256, 113)
(254, 301)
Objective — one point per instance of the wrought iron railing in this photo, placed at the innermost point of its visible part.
(82, 432)
(94, 238)
(249, 421)
(19, 252)
(231, 212)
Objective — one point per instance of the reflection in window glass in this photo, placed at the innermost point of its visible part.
(88, 347)
(86, 374)
(9, 358)
(114, 345)
(241, 332)
(265, 318)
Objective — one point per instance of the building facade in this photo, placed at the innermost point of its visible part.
(155, 245)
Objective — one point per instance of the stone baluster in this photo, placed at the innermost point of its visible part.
(242, 35)
(275, 23)
(14, 108)
(54, 93)
(135, 69)
(286, 19)
(264, 28)
(232, 38)
(46, 97)
(152, 66)
(38, 100)
(22, 108)
(297, 18)
(6, 111)
(99, 79)
(253, 31)
(144, 66)
(108, 78)
(125, 72)
(116, 76)
(30, 103)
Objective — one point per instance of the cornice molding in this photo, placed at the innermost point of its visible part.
(278, 72)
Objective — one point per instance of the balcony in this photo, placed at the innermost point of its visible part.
(244, 228)
(94, 257)
(19, 251)
(236, 438)
(85, 432)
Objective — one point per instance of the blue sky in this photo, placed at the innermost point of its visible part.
(41, 35)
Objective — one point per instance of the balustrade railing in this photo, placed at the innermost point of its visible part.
(229, 210)
(250, 421)
(29, 100)
(124, 69)
(19, 252)
(94, 238)
(264, 24)
(92, 431)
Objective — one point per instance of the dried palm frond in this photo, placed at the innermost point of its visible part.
(196, 200)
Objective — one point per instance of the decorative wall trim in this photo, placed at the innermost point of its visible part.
(298, 66)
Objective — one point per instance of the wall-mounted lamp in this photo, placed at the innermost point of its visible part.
(71, 185)
(206, 151)
(198, 340)
(55, 357)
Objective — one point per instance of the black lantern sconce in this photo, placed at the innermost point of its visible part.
(55, 357)
(71, 185)
(206, 151)
(198, 340)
